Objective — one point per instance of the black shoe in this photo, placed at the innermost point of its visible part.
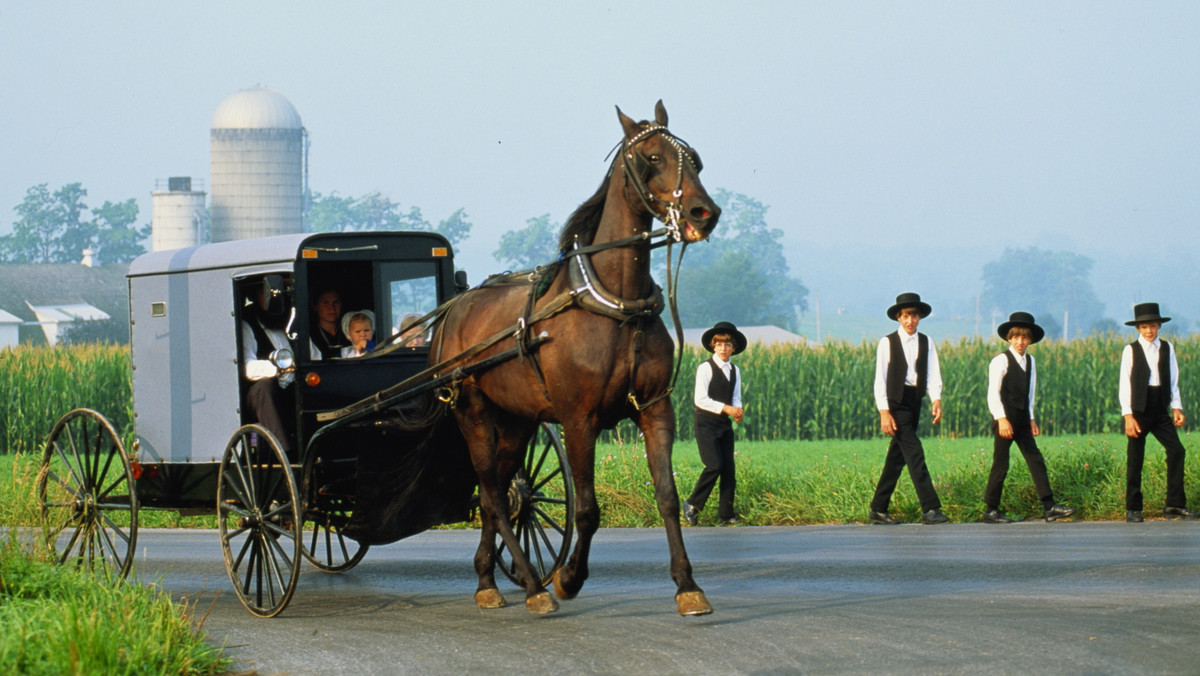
(691, 514)
(934, 516)
(1180, 513)
(996, 516)
(1133, 516)
(881, 518)
(734, 520)
(1056, 511)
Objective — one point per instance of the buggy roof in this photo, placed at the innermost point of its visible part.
(280, 250)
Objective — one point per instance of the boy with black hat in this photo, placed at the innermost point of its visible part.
(906, 369)
(1012, 381)
(1150, 403)
(718, 399)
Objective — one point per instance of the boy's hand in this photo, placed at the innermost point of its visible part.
(1178, 417)
(1004, 428)
(937, 411)
(736, 413)
(1034, 428)
(887, 423)
(1132, 429)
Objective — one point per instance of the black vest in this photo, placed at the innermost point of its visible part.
(264, 346)
(720, 389)
(1139, 375)
(1014, 388)
(897, 371)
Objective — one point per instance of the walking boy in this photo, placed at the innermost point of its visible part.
(906, 369)
(1150, 403)
(1012, 381)
(718, 399)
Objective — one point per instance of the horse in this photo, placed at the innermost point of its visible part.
(604, 355)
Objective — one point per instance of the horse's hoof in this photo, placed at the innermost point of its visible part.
(559, 591)
(693, 603)
(489, 598)
(541, 603)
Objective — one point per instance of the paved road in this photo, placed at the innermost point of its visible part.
(1065, 598)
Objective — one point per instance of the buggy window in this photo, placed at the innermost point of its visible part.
(411, 288)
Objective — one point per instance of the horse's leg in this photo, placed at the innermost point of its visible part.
(658, 428)
(487, 594)
(580, 441)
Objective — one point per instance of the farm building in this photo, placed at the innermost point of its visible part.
(38, 301)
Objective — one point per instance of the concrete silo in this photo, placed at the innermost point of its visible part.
(178, 218)
(258, 149)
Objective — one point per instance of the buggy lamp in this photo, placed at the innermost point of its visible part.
(312, 379)
(283, 359)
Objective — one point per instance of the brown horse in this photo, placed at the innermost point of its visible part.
(607, 356)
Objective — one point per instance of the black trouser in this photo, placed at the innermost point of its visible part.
(905, 450)
(715, 439)
(1023, 435)
(1154, 420)
(271, 406)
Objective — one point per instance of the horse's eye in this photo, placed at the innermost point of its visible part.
(654, 158)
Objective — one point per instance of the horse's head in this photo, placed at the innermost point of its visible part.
(665, 172)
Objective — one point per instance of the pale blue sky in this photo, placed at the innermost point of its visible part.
(962, 125)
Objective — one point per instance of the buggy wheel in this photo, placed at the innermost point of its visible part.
(325, 517)
(258, 515)
(541, 503)
(86, 484)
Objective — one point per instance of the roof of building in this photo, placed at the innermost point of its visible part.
(63, 287)
(256, 108)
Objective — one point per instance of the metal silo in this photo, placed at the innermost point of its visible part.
(257, 150)
(178, 218)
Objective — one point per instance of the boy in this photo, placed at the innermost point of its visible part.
(1012, 382)
(1150, 403)
(359, 327)
(906, 368)
(718, 399)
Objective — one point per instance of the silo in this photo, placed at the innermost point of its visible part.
(178, 218)
(257, 150)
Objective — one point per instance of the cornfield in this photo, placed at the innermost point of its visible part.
(790, 392)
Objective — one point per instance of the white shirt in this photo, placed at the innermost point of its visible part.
(1125, 389)
(910, 345)
(704, 379)
(997, 369)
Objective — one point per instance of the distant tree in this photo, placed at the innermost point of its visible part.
(1053, 285)
(375, 212)
(118, 238)
(741, 274)
(535, 244)
(80, 331)
(51, 228)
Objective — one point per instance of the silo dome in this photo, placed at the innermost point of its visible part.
(258, 146)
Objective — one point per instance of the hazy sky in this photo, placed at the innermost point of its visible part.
(907, 124)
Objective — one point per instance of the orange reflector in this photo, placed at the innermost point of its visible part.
(441, 251)
(312, 379)
(308, 253)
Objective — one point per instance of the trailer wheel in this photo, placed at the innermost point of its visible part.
(86, 484)
(258, 515)
(541, 503)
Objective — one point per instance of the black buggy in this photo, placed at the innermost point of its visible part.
(374, 462)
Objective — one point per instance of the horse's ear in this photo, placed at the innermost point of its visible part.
(660, 113)
(631, 127)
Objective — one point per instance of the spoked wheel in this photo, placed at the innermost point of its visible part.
(258, 514)
(541, 501)
(325, 517)
(86, 484)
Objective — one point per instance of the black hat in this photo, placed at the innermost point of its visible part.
(1146, 312)
(1023, 319)
(739, 339)
(909, 300)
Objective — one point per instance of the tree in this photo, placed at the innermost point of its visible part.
(51, 228)
(741, 274)
(374, 212)
(536, 244)
(1053, 285)
(117, 236)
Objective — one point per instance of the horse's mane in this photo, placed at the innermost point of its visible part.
(586, 218)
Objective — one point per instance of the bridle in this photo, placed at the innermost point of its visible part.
(668, 213)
